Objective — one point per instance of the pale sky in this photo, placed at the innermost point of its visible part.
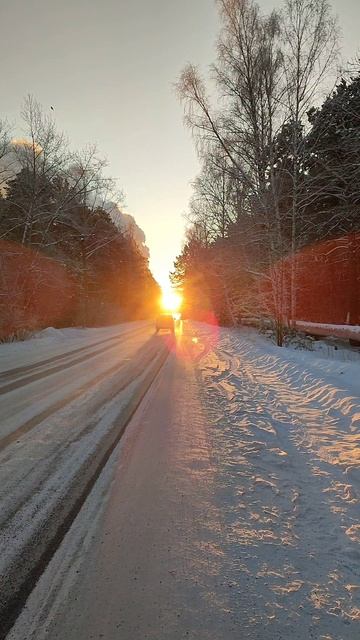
(108, 68)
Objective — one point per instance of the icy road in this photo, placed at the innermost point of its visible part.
(228, 509)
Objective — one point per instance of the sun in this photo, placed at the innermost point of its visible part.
(171, 300)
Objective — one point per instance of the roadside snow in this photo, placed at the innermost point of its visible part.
(338, 330)
(285, 425)
(51, 342)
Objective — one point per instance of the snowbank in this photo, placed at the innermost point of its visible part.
(348, 332)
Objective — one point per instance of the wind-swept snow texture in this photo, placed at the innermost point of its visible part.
(286, 428)
(230, 511)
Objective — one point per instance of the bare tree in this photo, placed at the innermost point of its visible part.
(249, 80)
(36, 160)
(55, 199)
(268, 72)
(213, 202)
(5, 163)
(310, 37)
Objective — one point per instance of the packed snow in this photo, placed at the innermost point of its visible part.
(61, 413)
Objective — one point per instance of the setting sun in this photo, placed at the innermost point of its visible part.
(171, 300)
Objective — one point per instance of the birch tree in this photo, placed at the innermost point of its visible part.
(310, 38)
(267, 72)
(4, 153)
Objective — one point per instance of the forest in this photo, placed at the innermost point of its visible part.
(273, 222)
(66, 257)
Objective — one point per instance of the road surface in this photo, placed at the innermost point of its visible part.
(229, 508)
(62, 413)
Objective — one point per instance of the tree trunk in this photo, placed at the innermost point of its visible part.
(279, 332)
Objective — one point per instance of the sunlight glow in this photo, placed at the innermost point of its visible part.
(171, 300)
(26, 144)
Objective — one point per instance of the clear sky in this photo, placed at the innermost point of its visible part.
(108, 68)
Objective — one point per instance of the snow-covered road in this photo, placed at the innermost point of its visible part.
(32, 392)
(62, 412)
(229, 509)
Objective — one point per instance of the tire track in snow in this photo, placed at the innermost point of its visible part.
(37, 531)
(59, 432)
(32, 377)
(35, 420)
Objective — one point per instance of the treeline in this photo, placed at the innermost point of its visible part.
(65, 256)
(278, 172)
